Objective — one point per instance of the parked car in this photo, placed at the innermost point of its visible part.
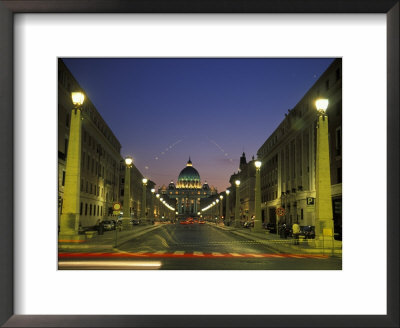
(108, 225)
(271, 227)
(308, 232)
(135, 221)
(248, 224)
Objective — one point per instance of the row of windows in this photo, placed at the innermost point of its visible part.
(269, 196)
(292, 157)
(91, 188)
(91, 143)
(102, 127)
(91, 209)
(94, 166)
(64, 80)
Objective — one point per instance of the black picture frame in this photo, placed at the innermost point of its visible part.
(10, 7)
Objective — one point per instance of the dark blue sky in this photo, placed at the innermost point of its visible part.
(165, 110)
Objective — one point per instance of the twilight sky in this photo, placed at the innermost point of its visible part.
(163, 110)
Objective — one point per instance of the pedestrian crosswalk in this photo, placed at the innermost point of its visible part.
(183, 254)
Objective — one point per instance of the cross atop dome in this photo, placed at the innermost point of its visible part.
(189, 163)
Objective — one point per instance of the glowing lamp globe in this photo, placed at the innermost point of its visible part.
(321, 104)
(77, 98)
(128, 161)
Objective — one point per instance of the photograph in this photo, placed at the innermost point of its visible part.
(182, 164)
(177, 163)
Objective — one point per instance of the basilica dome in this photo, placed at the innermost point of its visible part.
(189, 177)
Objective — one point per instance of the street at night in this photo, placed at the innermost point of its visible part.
(190, 199)
(205, 246)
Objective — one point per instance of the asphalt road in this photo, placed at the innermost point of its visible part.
(206, 247)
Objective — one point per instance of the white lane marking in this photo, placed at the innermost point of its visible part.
(163, 241)
(179, 252)
(198, 253)
(235, 254)
(216, 254)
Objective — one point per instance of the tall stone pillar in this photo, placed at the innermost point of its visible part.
(257, 220)
(227, 209)
(127, 199)
(323, 202)
(69, 220)
(237, 207)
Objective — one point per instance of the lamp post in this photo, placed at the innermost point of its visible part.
(216, 210)
(213, 211)
(237, 205)
(127, 194)
(257, 220)
(152, 203)
(227, 214)
(70, 217)
(162, 207)
(144, 214)
(221, 206)
(158, 206)
(324, 229)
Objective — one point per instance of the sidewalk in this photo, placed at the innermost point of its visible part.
(281, 244)
(109, 240)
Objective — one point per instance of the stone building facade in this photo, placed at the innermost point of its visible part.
(136, 192)
(247, 177)
(100, 154)
(288, 156)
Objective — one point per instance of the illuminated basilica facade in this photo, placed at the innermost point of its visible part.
(188, 191)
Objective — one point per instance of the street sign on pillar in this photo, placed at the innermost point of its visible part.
(117, 208)
(280, 211)
(310, 201)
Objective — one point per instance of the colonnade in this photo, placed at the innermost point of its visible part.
(187, 205)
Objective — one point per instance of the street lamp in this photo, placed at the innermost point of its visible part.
(322, 105)
(70, 217)
(221, 206)
(257, 219)
(227, 214)
(162, 207)
(144, 213)
(152, 203)
(158, 205)
(127, 194)
(216, 208)
(324, 228)
(237, 205)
